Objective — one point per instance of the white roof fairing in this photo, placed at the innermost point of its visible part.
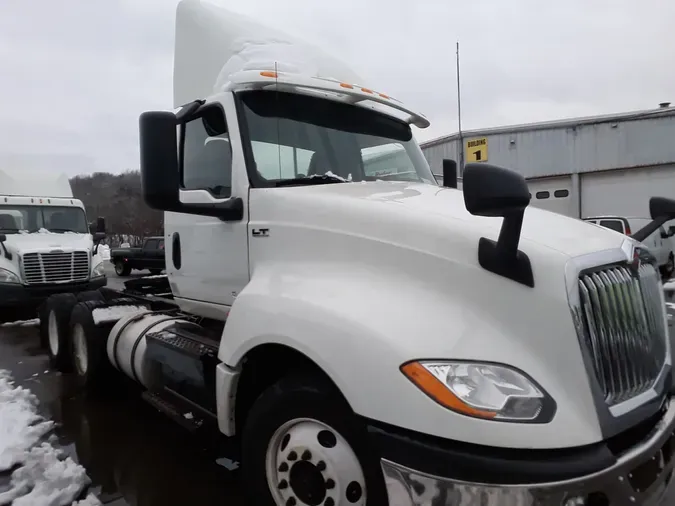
(31, 183)
(212, 43)
(217, 50)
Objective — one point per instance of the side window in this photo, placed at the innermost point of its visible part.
(612, 224)
(206, 155)
(274, 161)
(151, 244)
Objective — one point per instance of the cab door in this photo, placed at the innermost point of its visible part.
(206, 257)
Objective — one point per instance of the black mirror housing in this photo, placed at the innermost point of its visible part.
(490, 190)
(3, 237)
(99, 236)
(100, 225)
(449, 173)
(159, 160)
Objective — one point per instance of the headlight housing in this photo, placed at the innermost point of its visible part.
(98, 271)
(482, 390)
(9, 277)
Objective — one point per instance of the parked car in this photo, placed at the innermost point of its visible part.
(149, 256)
(659, 243)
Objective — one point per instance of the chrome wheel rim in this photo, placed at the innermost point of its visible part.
(308, 463)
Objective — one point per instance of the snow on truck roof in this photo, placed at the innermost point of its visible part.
(28, 183)
(218, 50)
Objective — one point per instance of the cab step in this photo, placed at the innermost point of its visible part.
(187, 419)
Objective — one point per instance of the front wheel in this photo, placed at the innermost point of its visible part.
(122, 268)
(302, 445)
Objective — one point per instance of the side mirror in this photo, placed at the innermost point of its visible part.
(3, 237)
(100, 225)
(449, 173)
(159, 160)
(661, 210)
(160, 168)
(490, 190)
(99, 236)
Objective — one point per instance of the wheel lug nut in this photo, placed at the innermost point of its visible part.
(291, 501)
(330, 484)
(292, 456)
(321, 465)
(283, 484)
(306, 455)
(283, 467)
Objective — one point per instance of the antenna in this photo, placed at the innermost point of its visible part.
(459, 119)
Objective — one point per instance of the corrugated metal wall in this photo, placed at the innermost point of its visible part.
(584, 147)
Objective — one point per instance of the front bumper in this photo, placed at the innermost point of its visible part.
(599, 475)
(14, 295)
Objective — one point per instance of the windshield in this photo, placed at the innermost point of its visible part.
(26, 219)
(296, 137)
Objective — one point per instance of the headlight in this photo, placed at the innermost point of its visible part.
(99, 270)
(489, 391)
(8, 277)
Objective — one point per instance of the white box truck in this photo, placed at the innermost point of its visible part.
(46, 243)
(370, 340)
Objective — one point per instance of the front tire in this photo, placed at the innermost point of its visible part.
(122, 268)
(57, 313)
(302, 444)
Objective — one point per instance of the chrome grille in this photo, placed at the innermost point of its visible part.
(57, 267)
(623, 326)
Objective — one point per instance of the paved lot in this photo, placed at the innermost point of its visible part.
(134, 456)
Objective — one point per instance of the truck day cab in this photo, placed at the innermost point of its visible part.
(370, 340)
(46, 244)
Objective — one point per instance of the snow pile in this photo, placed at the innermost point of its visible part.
(42, 475)
(104, 251)
(22, 323)
(114, 313)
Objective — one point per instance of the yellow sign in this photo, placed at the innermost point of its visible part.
(476, 150)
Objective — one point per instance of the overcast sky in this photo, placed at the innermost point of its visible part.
(75, 74)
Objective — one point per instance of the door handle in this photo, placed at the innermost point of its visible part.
(176, 256)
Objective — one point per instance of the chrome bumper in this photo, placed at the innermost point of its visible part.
(641, 476)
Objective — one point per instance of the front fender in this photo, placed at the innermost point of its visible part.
(361, 324)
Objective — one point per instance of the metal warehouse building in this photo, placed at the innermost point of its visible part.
(579, 167)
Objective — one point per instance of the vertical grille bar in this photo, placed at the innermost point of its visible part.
(57, 267)
(623, 328)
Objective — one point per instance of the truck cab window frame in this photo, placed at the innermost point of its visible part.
(331, 130)
(213, 162)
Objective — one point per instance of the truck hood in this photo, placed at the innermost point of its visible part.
(400, 211)
(39, 241)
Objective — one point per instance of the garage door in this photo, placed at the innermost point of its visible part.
(625, 192)
(553, 194)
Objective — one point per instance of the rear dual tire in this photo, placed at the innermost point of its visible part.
(302, 444)
(122, 268)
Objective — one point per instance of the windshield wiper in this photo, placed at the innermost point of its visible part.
(309, 180)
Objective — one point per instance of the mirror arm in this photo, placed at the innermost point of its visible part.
(503, 257)
(230, 210)
(650, 228)
(8, 255)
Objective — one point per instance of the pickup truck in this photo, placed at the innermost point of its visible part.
(659, 243)
(149, 256)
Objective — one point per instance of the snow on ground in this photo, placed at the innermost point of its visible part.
(39, 474)
(22, 323)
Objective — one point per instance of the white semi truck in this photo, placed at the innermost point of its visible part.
(373, 338)
(46, 243)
